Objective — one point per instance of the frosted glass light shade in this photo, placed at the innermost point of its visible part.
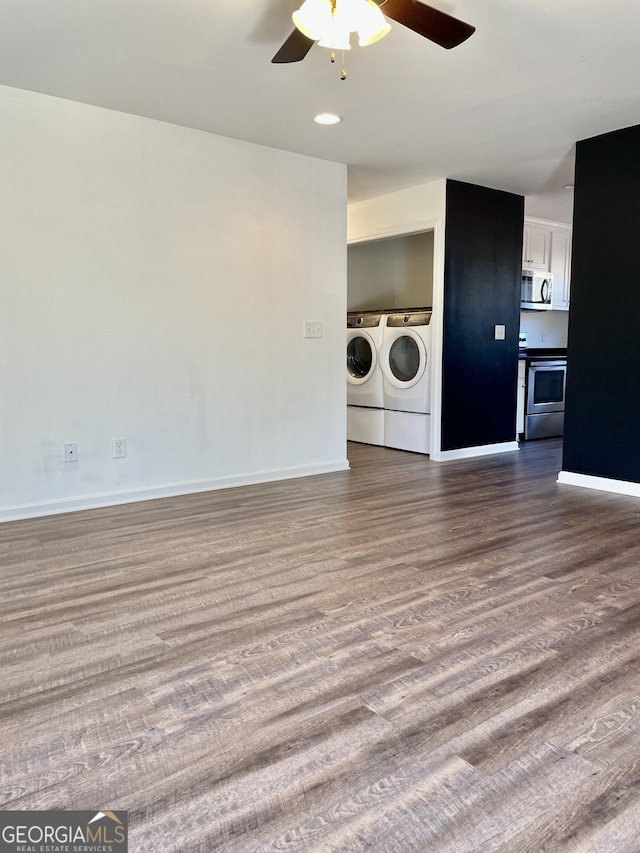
(313, 18)
(372, 25)
(338, 33)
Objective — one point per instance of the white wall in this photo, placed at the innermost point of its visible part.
(556, 206)
(419, 208)
(154, 281)
(392, 273)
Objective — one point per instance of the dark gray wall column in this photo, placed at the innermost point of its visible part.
(483, 267)
(602, 417)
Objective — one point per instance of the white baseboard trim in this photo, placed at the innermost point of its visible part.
(603, 484)
(166, 490)
(479, 450)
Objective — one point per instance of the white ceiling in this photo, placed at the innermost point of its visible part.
(503, 110)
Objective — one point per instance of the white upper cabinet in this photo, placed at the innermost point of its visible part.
(546, 246)
(560, 268)
(536, 248)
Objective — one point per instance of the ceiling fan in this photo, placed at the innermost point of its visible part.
(316, 21)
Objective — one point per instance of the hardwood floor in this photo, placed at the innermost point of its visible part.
(408, 656)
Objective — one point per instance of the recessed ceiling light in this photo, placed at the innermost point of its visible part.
(567, 187)
(327, 119)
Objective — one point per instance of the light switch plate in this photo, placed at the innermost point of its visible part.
(312, 329)
(500, 332)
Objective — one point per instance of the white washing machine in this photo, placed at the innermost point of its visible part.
(365, 395)
(405, 361)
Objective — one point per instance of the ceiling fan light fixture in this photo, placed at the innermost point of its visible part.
(331, 22)
(372, 25)
(313, 18)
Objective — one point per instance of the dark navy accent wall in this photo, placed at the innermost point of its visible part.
(602, 417)
(483, 267)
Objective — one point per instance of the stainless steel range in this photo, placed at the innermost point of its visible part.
(545, 393)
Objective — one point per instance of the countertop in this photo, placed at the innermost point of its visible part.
(541, 353)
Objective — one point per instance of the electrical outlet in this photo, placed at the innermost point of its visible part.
(312, 329)
(70, 451)
(119, 446)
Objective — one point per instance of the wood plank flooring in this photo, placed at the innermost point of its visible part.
(408, 656)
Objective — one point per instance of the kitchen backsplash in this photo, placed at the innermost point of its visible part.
(545, 328)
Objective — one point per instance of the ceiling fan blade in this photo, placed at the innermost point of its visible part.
(434, 25)
(295, 48)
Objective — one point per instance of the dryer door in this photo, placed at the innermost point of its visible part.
(404, 359)
(361, 357)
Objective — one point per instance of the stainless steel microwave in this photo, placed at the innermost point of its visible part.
(536, 290)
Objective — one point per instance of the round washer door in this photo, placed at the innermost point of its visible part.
(361, 357)
(404, 359)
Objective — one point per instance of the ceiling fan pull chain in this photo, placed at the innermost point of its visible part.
(343, 73)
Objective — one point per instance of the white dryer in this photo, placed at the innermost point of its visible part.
(365, 396)
(405, 361)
